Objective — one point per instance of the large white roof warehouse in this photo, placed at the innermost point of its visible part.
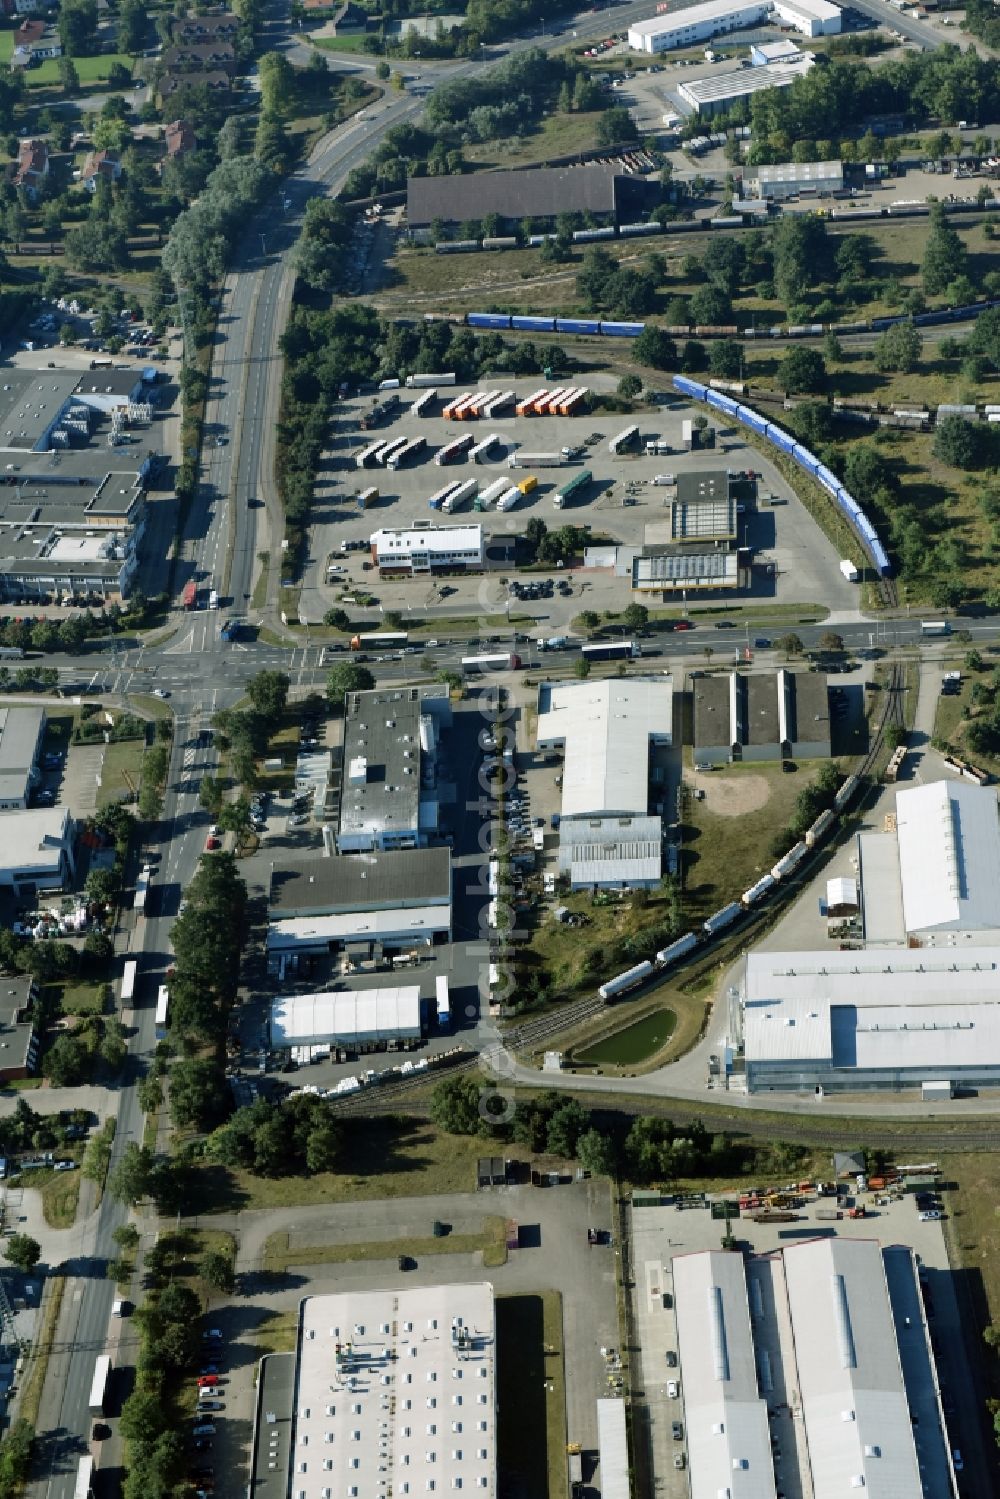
(729, 1439)
(363, 1017)
(871, 1020)
(395, 1394)
(949, 856)
(607, 728)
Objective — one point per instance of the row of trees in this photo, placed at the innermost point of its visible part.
(244, 733)
(297, 1137)
(647, 1150)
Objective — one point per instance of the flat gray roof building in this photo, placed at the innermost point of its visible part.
(38, 849)
(20, 1045)
(21, 731)
(389, 793)
(678, 571)
(385, 896)
(715, 93)
(763, 716)
(541, 192)
(31, 403)
(789, 177)
(610, 851)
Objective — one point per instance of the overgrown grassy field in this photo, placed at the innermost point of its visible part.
(558, 135)
(279, 1255)
(121, 770)
(408, 1159)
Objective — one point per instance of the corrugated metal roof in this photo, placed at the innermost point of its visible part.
(949, 856)
(539, 193)
(612, 1445)
(850, 1382)
(606, 727)
(728, 1436)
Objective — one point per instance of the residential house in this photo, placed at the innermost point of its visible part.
(179, 138)
(106, 164)
(188, 30)
(192, 57)
(29, 31)
(31, 167)
(172, 83)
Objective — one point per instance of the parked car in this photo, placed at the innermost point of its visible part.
(204, 1429)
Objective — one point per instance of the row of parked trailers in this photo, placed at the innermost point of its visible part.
(724, 918)
(786, 443)
(472, 405)
(564, 400)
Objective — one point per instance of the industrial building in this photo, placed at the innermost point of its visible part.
(389, 788)
(684, 572)
(703, 510)
(839, 1020)
(38, 850)
(21, 734)
(426, 549)
(934, 878)
(394, 1395)
(363, 903)
(809, 1370)
(538, 193)
(720, 91)
(781, 715)
(693, 551)
(609, 731)
(788, 178)
(71, 517)
(18, 1037)
(699, 23)
(359, 1020)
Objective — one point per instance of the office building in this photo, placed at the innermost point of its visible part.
(19, 1043)
(781, 715)
(389, 789)
(21, 734)
(362, 901)
(38, 851)
(426, 549)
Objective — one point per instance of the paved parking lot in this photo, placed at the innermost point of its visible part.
(797, 562)
(660, 1233)
(78, 783)
(556, 1256)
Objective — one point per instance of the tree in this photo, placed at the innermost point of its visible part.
(150, 1092)
(143, 1418)
(944, 253)
(898, 348)
(629, 386)
(565, 1128)
(616, 127)
(337, 619)
(791, 645)
(23, 1252)
(831, 643)
(725, 357)
(596, 1153)
(323, 1146)
(348, 677)
(635, 616)
(67, 1062)
(78, 27)
(268, 692)
(131, 1178)
(802, 370)
(655, 348)
(197, 1093)
(131, 27)
(455, 1106)
(277, 83)
(126, 1236)
(985, 337)
(959, 443)
(113, 1047)
(581, 667)
(711, 307)
(216, 1269)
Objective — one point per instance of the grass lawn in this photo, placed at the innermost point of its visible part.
(60, 1197)
(89, 69)
(185, 1249)
(81, 997)
(278, 1256)
(558, 135)
(277, 1333)
(359, 43)
(121, 770)
(972, 1230)
(950, 716)
(390, 1158)
(531, 1394)
(149, 706)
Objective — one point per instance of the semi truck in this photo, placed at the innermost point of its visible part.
(99, 1384)
(521, 459)
(574, 487)
(419, 382)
